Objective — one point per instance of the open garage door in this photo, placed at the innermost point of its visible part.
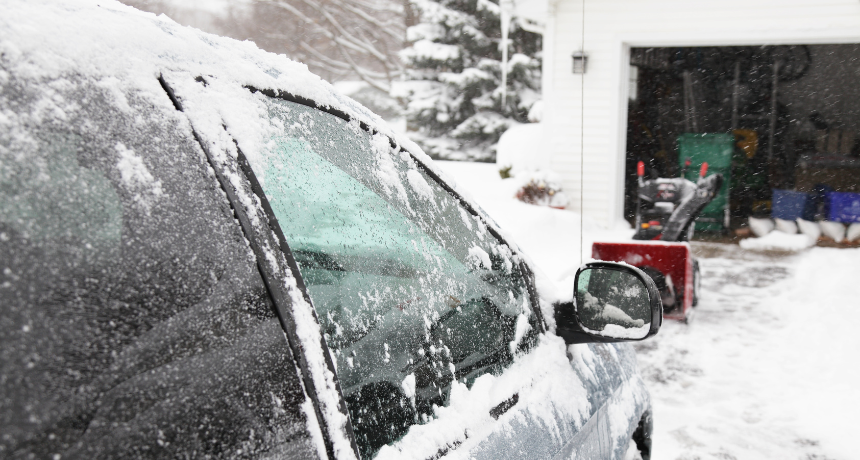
(781, 123)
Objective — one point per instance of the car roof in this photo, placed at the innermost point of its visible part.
(126, 50)
(122, 46)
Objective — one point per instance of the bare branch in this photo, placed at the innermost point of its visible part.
(339, 64)
(394, 29)
(360, 35)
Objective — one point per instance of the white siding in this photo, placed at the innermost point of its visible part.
(611, 28)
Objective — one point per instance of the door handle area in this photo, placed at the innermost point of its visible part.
(504, 406)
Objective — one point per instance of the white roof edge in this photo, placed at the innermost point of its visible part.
(534, 11)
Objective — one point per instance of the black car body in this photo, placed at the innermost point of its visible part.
(208, 253)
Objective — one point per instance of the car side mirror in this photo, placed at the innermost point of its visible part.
(612, 303)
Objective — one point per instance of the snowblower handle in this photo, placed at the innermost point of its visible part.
(704, 169)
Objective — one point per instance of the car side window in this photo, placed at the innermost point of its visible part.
(135, 323)
(411, 289)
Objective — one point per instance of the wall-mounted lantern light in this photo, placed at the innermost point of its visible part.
(580, 59)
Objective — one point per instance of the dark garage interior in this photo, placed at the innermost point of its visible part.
(774, 120)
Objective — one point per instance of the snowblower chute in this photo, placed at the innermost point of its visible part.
(665, 218)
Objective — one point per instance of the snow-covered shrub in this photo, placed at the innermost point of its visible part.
(520, 148)
(540, 189)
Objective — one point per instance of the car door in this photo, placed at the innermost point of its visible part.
(431, 319)
(135, 321)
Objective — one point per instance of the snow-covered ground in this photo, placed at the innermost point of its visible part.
(767, 368)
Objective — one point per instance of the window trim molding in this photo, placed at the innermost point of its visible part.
(275, 289)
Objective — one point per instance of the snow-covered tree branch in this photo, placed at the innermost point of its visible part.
(456, 108)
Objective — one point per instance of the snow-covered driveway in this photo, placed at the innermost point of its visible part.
(768, 368)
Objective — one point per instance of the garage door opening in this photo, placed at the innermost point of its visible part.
(772, 119)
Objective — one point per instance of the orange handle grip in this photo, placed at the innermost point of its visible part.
(640, 169)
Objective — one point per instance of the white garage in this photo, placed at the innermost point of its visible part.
(585, 121)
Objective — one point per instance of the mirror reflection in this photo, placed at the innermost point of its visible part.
(613, 303)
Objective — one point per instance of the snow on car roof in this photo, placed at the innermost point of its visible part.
(44, 39)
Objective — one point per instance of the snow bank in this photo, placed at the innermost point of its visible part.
(519, 148)
(778, 241)
(767, 368)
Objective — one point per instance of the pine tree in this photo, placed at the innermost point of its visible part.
(453, 77)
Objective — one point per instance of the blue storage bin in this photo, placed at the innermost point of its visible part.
(788, 204)
(844, 207)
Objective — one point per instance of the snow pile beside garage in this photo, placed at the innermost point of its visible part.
(778, 241)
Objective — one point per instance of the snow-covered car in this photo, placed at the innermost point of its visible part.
(208, 253)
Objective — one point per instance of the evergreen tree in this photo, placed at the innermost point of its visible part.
(453, 77)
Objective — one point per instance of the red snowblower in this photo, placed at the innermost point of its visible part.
(665, 215)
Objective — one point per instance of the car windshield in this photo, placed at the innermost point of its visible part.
(411, 289)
